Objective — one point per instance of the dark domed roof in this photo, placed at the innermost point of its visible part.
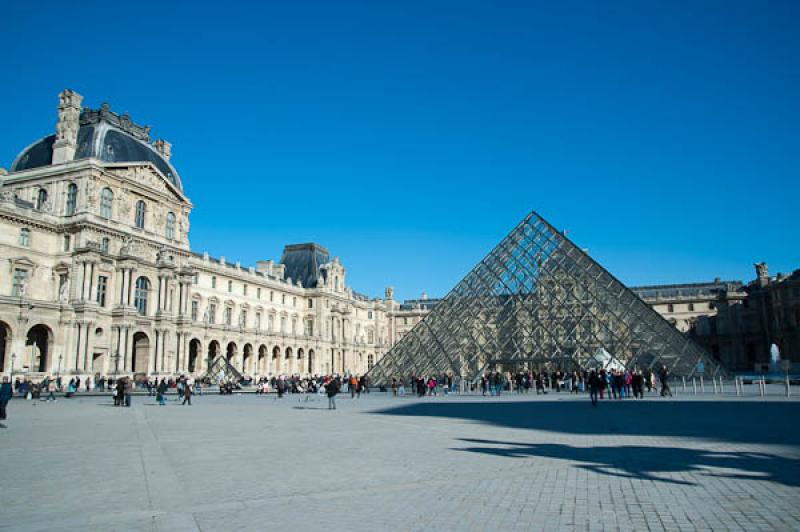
(101, 139)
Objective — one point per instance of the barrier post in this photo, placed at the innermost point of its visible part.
(684, 384)
(702, 385)
(694, 386)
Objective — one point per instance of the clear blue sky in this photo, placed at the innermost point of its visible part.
(409, 138)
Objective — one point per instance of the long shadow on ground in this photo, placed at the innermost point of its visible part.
(648, 463)
(729, 421)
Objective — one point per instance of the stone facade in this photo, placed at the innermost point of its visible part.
(98, 277)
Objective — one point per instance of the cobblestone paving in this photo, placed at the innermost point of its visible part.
(380, 463)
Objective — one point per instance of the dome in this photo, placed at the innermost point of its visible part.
(105, 136)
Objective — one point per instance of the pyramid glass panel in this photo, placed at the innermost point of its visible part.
(538, 301)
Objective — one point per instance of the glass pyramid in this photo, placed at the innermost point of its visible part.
(538, 301)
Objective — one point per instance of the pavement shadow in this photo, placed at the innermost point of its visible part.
(647, 463)
(730, 421)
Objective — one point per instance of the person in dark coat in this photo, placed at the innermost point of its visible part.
(6, 392)
(332, 388)
(594, 387)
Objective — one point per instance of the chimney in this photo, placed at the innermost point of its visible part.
(762, 273)
(163, 147)
(69, 113)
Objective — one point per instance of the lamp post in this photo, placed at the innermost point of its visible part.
(60, 358)
(11, 371)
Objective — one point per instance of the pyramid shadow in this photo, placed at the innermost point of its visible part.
(652, 463)
(741, 422)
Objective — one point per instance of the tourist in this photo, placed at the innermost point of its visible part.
(332, 388)
(51, 390)
(664, 377)
(128, 391)
(353, 384)
(187, 394)
(162, 391)
(119, 395)
(594, 387)
(5, 396)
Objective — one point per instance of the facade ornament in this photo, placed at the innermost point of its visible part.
(163, 147)
(241, 320)
(69, 112)
(63, 293)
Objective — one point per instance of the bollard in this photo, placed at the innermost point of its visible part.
(788, 387)
(738, 386)
(721, 386)
(684, 384)
(714, 382)
(694, 386)
(702, 385)
(761, 386)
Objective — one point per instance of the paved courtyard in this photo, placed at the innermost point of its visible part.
(383, 463)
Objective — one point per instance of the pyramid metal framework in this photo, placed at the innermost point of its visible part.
(538, 301)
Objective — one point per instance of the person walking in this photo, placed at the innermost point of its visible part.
(6, 392)
(187, 394)
(51, 390)
(162, 392)
(128, 390)
(664, 376)
(332, 388)
(594, 387)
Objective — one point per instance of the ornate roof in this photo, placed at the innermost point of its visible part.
(106, 136)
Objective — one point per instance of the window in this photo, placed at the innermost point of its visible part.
(228, 315)
(670, 308)
(310, 303)
(102, 286)
(370, 336)
(104, 245)
(258, 293)
(106, 201)
(271, 296)
(66, 242)
(25, 237)
(405, 321)
(283, 299)
(72, 198)
(294, 301)
(194, 310)
(294, 326)
(195, 278)
(283, 325)
(691, 307)
(212, 313)
(370, 361)
(169, 229)
(140, 295)
(711, 306)
(41, 199)
(213, 282)
(258, 320)
(309, 327)
(20, 282)
(244, 289)
(369, 315)
(140, 212)
(270, 323)
(243, 318)
(230, 286)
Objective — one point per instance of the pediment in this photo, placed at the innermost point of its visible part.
(147, 175)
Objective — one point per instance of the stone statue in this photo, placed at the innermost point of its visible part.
(205, 316)
(241, 320)
(69, 112)
(63, 292)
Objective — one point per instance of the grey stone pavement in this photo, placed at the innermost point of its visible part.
(382, 463)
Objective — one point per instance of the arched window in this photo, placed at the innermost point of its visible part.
(106, 201)
(140, 211)
(104, 245)
(72, 198)
(169, 230)
(41, 199)
(140, 295)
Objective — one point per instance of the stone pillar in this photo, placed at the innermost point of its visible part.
(69, 112)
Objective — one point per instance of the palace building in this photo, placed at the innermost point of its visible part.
(98, 277)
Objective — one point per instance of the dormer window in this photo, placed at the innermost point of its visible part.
(72, 199)
(106, 201)
(169, 230)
